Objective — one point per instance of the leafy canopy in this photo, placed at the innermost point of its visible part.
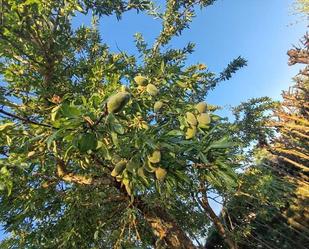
(87, 135)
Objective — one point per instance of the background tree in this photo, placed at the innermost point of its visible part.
(270, 207)
(291, 147)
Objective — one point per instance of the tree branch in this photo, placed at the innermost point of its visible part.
(215, 219)
(77, 178)
(26, 120)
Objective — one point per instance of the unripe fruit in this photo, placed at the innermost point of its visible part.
(191, 119)
(191, 132)
(152, 89)
(117, 102)
(31, 153)
(140, 80)
(119, 167)
(157, 106)
(160, 174)
(201, 107)
(155, 157)
(203, 120)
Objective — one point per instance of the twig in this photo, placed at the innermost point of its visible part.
(26, 120)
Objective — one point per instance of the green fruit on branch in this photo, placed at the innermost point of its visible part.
(140, 80)
(191, 132)
(191, 119)
(157, 106)
(119, 167)
(160, 174)
(116, 102)
(155, 157)
(152, 89)
(201, 107)
(203, 120)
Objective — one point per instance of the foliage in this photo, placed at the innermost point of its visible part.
(291, 147)
(270, 207)
(254, 213)
(85, 161)
(302, 6)
(251, 120)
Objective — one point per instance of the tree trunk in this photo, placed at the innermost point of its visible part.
(218, 224)
(161, 223)
(165, 227)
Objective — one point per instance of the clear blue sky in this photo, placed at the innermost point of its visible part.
(260, 30)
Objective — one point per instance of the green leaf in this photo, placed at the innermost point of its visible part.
(84, 100)
(96, 100)
(65, 157)
(4, 171)
(182, 176)
(53, 137)
(86, 142)
(6, 125)
(118, 128)
(115, 138)
(203, 158)
(78, 8)
(70, 111)
(9, 186)
(96, 235)
(175, 133)
(223, 143)
(54, 113)
(115, 124)
(104, 150)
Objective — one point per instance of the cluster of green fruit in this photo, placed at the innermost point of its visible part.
(123, 168)
(201, 120)
(121, 172)
(116, 102)
(143, 84)
(151, 89)
(155, 158)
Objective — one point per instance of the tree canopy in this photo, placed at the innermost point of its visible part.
(112, 150)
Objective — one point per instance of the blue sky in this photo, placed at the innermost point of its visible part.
(259, 30)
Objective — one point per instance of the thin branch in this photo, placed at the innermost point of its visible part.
(26, 120)
(104, 114)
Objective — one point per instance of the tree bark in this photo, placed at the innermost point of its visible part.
(165, 227)
(218, 224)
(162, 224)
